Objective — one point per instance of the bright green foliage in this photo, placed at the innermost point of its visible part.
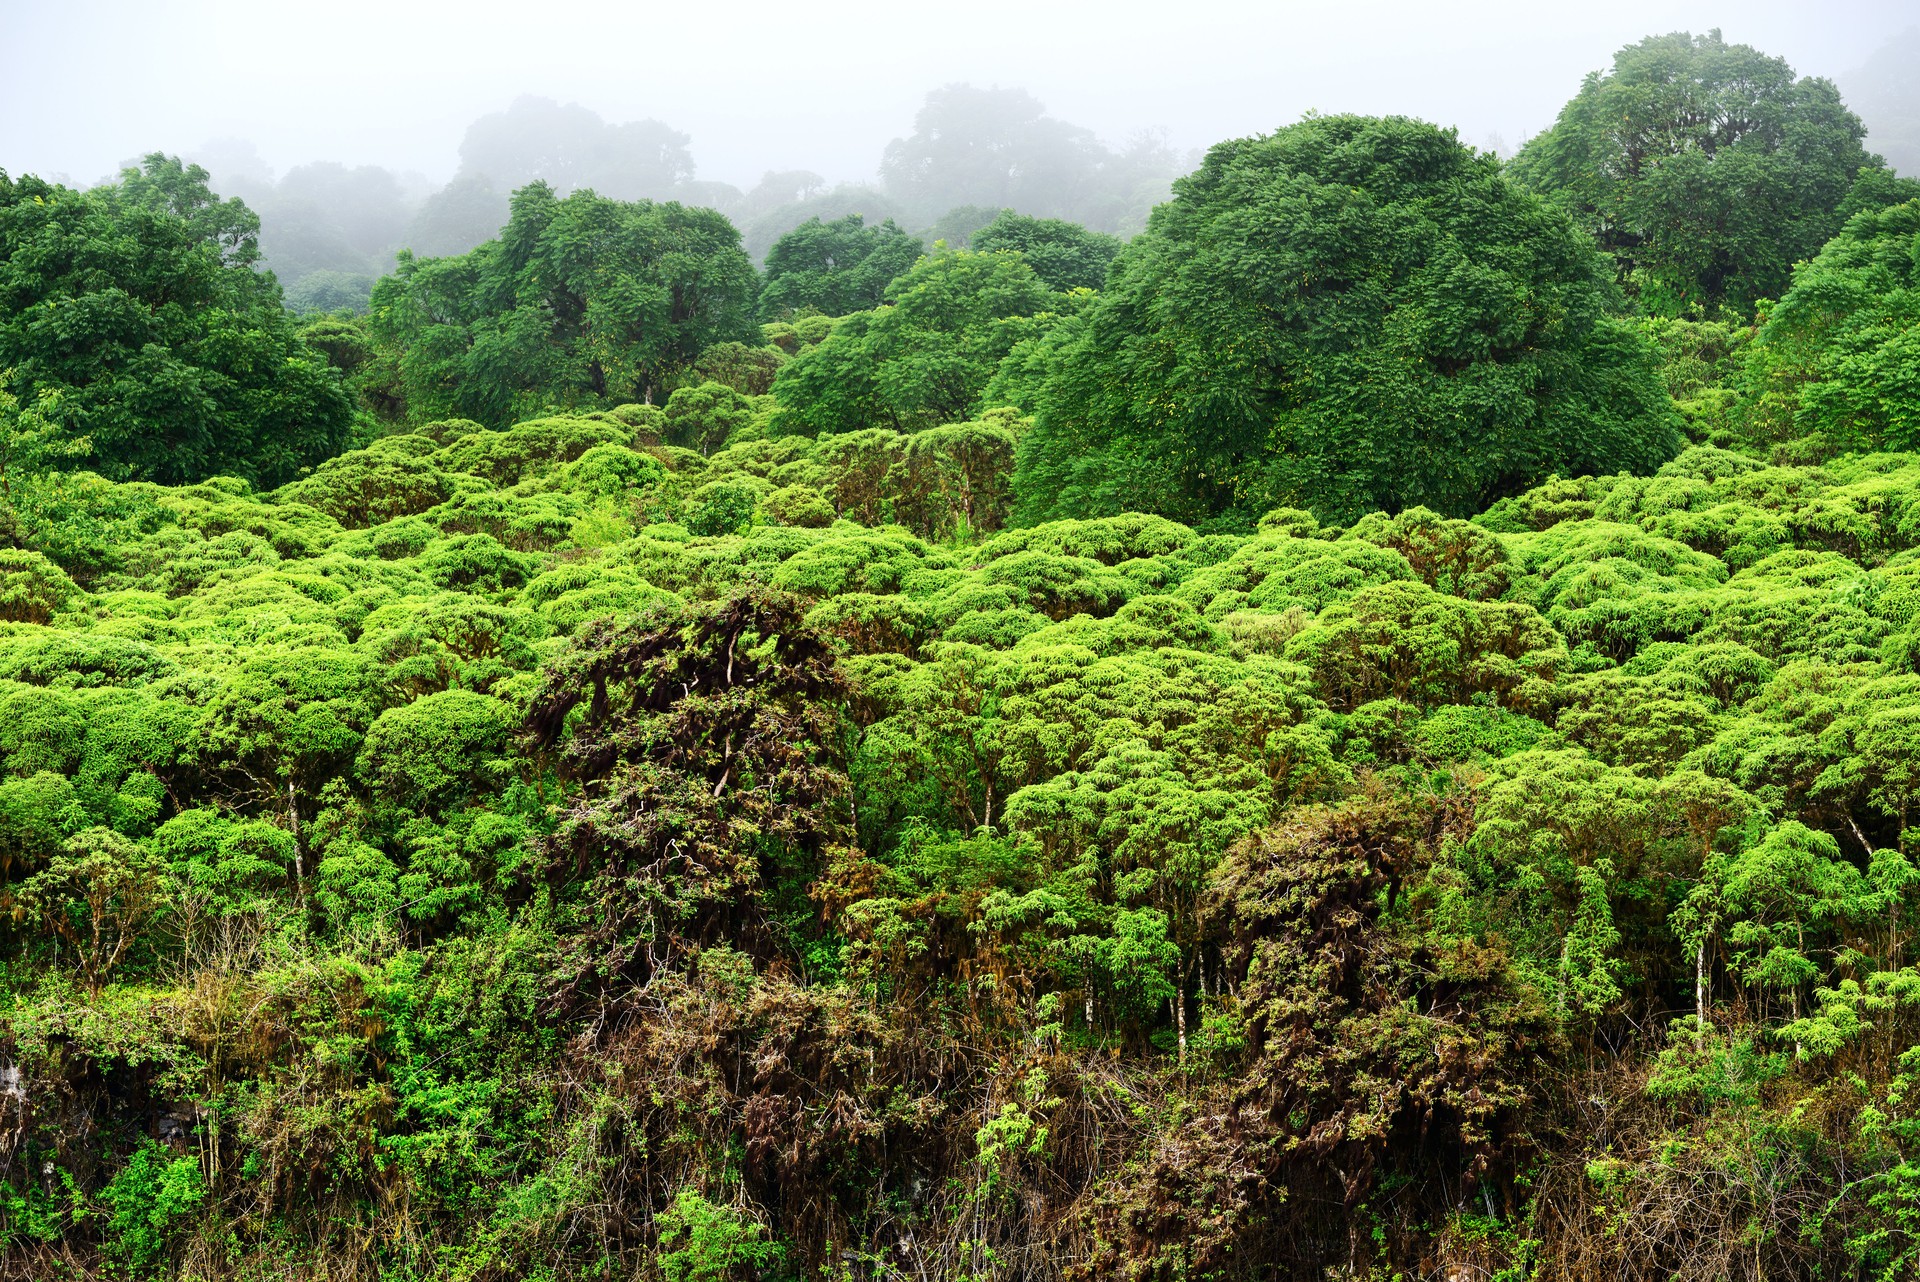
(706, 416)
(701, 1241)
(148, 1200)
(582, 302)
(922, 360)
(1838, 358)
(136, 338)
(835, 267)
(637, 840)
(1704, 168)
(1391, 825)
(99, 894)
(1350, 313)
(1778, 901)
(1064, 255)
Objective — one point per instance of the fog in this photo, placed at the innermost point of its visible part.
(302, 109)
(763, 86)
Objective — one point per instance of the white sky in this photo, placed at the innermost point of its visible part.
(86, 84)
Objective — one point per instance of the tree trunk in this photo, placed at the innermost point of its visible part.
(299, 849)
(1700, 995)
(1180, 1012)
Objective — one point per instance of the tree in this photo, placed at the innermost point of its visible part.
(998, 149)
(581, 302)
(133, 322)
(1706, 169)
(1837, 361)
(469, 211)
(953, 479)
(1348, 314)
(837, 267)
(328, 231)
(702, 416)
(98, 894)
(284, 724)
(1065, 255)
(921, 361)
(702, 1241)
(570, 148)
(1781, 897)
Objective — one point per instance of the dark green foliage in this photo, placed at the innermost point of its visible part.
(923, 360)
(1065, 255)
(1705, 169)
(582, 302)
(1348, 314)
(1837, 362)
(835, 267)
(708, 751)
(132, 322)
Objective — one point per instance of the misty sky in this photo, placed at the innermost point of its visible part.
(89, 83)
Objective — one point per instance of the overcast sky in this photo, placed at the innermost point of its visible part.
(86, 84)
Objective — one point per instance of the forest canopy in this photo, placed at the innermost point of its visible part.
(1707, 170)
(1347, 314)
(1366, 730)
(582, 300)
(137, 334)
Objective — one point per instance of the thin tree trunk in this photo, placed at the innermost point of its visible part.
(299, 848)
(1700, 995)
(1180, 1012)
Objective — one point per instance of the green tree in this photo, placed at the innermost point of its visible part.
(98, 894)
(582, 302)
(703, 1241)
(1706, 169)
(835, 267)
(1782, 899)
(954, 479)
(133, 323)
(1837, 361)
(702, 416)
(1065, 255)
(1348, 314)
(921, 361)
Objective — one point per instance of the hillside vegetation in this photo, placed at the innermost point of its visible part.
(1355, 749)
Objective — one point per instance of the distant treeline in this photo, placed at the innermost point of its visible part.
(329, 230)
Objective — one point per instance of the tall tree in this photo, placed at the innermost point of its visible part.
(581, 302)
(835, 267)
(1065, 255)
(997, 148)
(921, 361)
(1348, 314)
(1837, 362)
(132, 314)
(1706, 169)
(569, 147)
